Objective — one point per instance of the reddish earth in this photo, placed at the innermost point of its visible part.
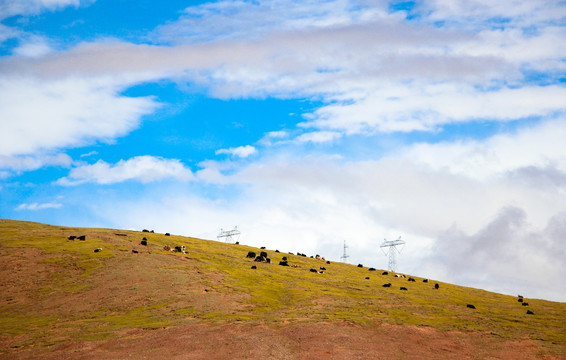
(308, 341)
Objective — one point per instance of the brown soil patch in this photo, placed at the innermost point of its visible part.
(302, 341)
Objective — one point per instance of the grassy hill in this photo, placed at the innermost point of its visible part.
(60, 299)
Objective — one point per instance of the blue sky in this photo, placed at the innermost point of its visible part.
(304, 123)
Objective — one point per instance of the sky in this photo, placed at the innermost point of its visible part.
(307, 124)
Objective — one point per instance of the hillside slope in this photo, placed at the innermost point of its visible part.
(61, 299)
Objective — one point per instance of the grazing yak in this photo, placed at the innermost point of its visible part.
(98, 250)
(470, 306)
(385, 273)
(360, 265)
(371, 269)
(262, 257)
(436, 286)
(72, 237)
(251, 254)
(143, 242)
(283, 263)
(314, 270)
(403, 288)
(529, 312)
(82, 237)
(386, 285)
(254, 267)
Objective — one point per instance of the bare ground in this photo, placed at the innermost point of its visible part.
(302, 341)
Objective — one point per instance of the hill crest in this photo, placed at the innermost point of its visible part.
(60, 295)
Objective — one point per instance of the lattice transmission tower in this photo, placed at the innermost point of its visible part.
(344, 254)
(229, 235)
(389, 248)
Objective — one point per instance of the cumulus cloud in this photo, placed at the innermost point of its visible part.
(508, 248)
(140, 168)
(240, 151)
(67, 112)
(38, 206)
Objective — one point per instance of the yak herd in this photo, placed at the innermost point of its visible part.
(263, 257)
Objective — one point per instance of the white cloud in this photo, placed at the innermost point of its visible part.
(31, 7)
(33, 47)
(37, 206)
(318, 137)
(90, 153)
(7, 32)
(274, 137)
(476, 13)
(277, 134)
(240, 151)
(539, 146)
(375, 72)
(425, 107)
(28, 163)
(231, 19)
(140, 168)
(66, 112)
